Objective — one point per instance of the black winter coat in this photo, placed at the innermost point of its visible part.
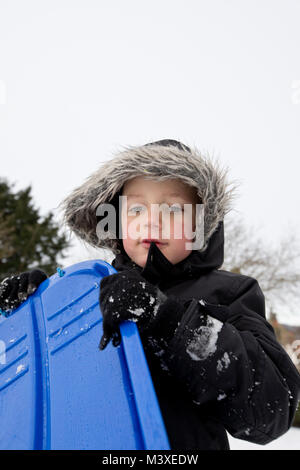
(220, 374)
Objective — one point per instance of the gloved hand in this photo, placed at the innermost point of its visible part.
(128, 296)
(15, 289)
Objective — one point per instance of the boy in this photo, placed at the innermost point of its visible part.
(214, 359)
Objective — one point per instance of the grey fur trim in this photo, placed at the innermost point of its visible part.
(154, 162)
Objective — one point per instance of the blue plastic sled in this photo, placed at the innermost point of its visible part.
(57, 390)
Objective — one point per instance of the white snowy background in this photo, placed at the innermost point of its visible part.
(81, 78)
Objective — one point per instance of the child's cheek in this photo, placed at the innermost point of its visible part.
(128, 227)
(183, 228)
(128, 245)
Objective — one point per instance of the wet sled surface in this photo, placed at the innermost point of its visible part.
(57, 390)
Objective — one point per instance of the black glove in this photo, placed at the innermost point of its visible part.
(15, 289)
(128, 296)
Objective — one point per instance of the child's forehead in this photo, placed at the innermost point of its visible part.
(141, 185)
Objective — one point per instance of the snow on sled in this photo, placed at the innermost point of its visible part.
(57, 390)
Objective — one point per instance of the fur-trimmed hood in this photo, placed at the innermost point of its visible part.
(159, 160)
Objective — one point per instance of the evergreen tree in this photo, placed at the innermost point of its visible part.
(27, 239)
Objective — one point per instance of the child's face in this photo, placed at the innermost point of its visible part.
(141, 194)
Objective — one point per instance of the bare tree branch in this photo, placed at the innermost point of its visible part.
(275, 267)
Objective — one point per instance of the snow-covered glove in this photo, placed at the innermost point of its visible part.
(128, 296)
(15, 289)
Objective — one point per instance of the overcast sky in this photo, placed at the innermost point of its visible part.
(80, 79)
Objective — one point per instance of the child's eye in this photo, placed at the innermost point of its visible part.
(177, 208)
(136, 209)
(173, 208)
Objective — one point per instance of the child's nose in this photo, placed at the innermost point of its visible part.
(152, 224)
(152, 219)
(156, 225)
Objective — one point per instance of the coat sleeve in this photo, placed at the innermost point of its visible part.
(231, 362)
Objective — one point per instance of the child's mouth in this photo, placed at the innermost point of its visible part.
(146, 242)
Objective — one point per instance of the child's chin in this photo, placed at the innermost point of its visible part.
(141, 263)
